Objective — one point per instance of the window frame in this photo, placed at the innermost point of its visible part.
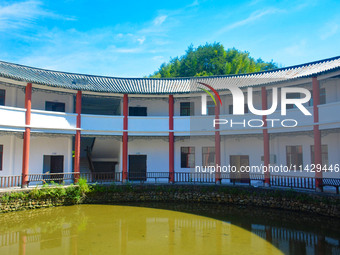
(210, 108)
(133, 112)
(3, 96)
(206, 156)
(185, 110)
(1, 156)
(294, 95)
(322, 96)
(56, 103)
(231, 108)
(291, 157)
(186, 155)
(324, 153)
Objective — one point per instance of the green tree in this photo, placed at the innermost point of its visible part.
(212, 59)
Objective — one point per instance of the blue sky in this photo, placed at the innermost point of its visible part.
(132, 38)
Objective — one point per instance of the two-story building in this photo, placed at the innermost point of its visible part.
(54, 122)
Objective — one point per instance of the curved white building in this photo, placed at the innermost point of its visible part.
(139, 125)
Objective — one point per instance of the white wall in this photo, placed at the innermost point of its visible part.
(156, 149)
(59, 146)
(242, 145)
(39, 98)
(198, 143)
(14, 96)
(332, 89)
(12, 154)
(155, 106)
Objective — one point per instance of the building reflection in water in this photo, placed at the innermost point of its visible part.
(133, 230)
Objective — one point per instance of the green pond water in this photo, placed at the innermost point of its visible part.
(165, 229)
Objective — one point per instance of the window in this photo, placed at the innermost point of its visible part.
(187, 157)
(99, 105)
(54, 106)
(292, 96)
(294, 157)
(322, 97)
(210, 108)
(137, 111)
(208, 156)
(2, 96)
(324, 155)
(187, 109)
(1, 155)
(231, 109)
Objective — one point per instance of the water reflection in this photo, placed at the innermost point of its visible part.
(103, 229)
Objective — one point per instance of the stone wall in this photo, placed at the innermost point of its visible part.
(307, 202)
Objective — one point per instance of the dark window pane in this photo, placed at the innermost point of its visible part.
(324, 155)
(187, 157)
(208, 156)
(294, 157)
(99, 105)
(292, 96)
(137, 111)
(322, 97)
(2, 96)
(231, 109)
(211, 108)
(246, 109)
(186, 108)
(55, 106)
(1, 155)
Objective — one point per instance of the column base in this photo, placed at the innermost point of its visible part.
(266, 185)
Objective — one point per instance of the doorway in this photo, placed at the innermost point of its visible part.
(53, 164)
(239, 161)
(137, 167)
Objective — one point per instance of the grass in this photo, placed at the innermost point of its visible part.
(74, 193)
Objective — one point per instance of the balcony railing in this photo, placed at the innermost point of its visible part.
(46, 121)
(296, 182)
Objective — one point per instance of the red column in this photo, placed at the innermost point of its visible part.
(125, 137)
(266, 151)
(22, 243)
(217, 143)
(171, 140)
(317, 134)
(77, 140)
(27, 136)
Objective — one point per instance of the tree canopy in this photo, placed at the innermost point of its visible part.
(212, 59)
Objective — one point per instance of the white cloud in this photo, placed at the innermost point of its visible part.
(141, 40)
(128, 50)
(159, 20)
(159, 59)
(252, 18)
(329, 30)
(23, 14)
(194, 3)
(296, 49)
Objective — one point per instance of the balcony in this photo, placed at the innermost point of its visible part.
(148, 125)
(57, 122)
(101, 124)
(329, 116)
(13, 119)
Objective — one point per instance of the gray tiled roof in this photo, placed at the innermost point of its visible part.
(161, 86)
